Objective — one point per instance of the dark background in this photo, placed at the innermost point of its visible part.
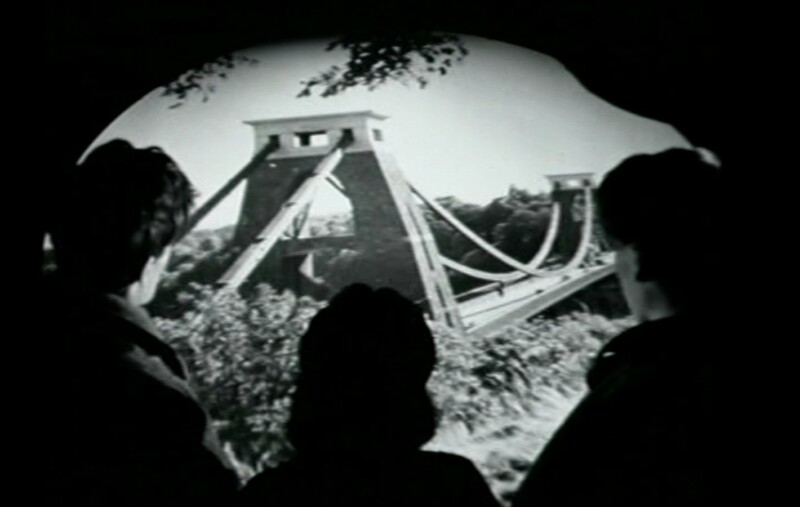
(659, 59)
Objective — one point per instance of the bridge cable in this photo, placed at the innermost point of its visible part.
(531, 268)
(526, 269)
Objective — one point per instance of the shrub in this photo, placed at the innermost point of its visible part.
(242, 353)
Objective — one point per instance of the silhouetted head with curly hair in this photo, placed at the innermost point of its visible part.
(117, 214)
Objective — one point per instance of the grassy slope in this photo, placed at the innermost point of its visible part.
(504, 449)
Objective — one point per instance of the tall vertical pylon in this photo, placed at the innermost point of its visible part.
(395, 245)
(569, 191)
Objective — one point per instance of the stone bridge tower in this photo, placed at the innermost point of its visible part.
(394, 244)
(568, 192)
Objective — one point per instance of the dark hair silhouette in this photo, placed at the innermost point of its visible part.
(119, 207)
(364, 364)
(666, 206)
(361, 413)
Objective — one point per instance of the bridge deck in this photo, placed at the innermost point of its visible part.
(493, 311)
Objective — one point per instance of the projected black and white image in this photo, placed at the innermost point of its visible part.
(473, 196)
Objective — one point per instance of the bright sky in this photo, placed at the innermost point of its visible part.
(505, 115)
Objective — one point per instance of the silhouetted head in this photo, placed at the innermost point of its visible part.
(659, 213)
(118, 213)
(364, 365)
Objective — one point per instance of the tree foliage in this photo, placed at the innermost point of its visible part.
(203, 79)
(372, 61)
(515, 223)
(242, 353)
(377, 59)
(242, 348)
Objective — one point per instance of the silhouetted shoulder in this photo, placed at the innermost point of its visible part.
(448, 465)
(444, 459)
(458, 474)
(137, 435)
(421, 478)
(274, 486)
(641, 435)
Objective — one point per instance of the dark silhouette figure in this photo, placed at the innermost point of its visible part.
(126, 428)
(642, 435)
(361, 412)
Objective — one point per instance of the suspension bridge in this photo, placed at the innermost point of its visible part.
(396, 247)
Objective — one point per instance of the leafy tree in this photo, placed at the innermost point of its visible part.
(243, 356)
(241, 348)
(516, 223)
(372, 60)
(242, 353)
(522, 233)
(203, 80)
